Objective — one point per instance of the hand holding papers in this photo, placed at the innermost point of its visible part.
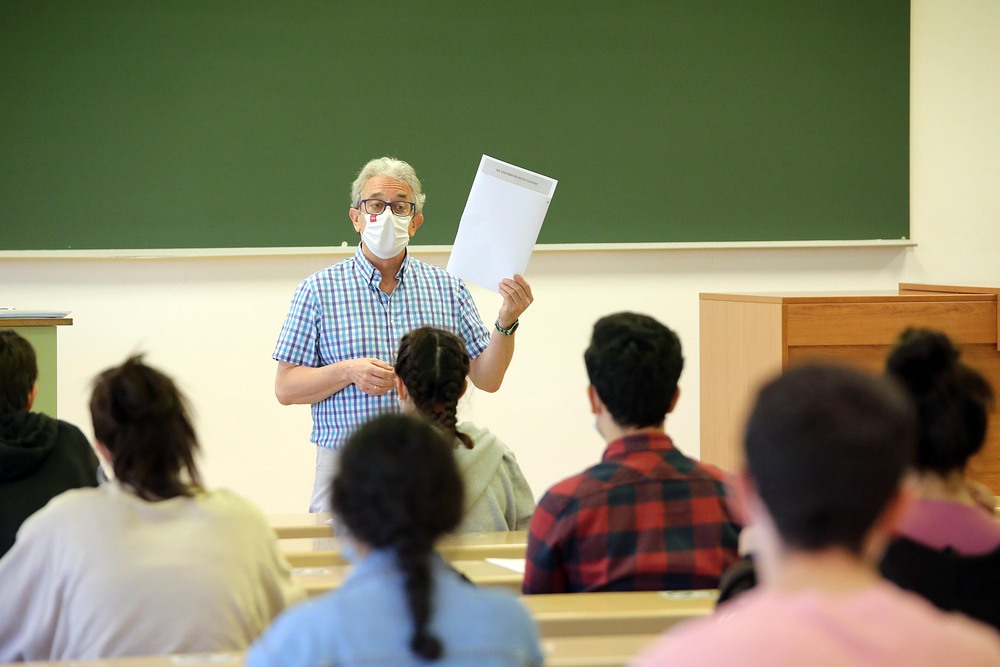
(500, 224)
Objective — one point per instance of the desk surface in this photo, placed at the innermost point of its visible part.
(640, 612)
(614, 651)
(301, 525)
(327, 551)
(570, 614)
(320, 580)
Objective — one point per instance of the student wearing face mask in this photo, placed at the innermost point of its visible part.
(338, 344)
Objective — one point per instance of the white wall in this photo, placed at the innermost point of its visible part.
(212, 322)
(955, 140)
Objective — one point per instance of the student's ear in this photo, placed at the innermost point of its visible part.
(673, 401)
(741, 492)
(32, 395)
(401, 388)
(103, 452)
(596, 404)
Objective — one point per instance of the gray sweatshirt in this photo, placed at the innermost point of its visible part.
(497, 496)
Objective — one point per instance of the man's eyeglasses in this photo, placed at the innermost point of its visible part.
(376, 206)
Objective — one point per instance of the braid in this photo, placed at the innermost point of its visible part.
(413, 559)
(398, 488)
(433, 365)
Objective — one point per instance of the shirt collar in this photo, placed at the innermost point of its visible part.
(371, 274)
(385, 560)
(638, 442)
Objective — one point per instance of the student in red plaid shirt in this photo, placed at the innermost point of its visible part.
(646, 517)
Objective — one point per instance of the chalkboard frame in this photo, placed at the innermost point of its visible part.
(185, 125)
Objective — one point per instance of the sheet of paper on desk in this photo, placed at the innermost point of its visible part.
(515, 564)
(500, 224)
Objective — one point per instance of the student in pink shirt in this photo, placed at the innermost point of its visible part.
(826, 449)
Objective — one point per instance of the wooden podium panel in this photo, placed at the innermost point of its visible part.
(748, 338)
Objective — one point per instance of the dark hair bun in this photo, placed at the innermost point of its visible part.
(953, 400)
(921, 358)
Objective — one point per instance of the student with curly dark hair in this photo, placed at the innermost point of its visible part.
(150, 563)
(646, 517)
(431, 370)
(397, 491)
(948, 545)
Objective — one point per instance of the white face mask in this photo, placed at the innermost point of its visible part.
(386, 234)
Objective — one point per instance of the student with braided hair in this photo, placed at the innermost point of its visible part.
(431, 370)
(397, 491)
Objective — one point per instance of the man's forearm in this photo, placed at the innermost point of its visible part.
(487, 370)
(303, 385)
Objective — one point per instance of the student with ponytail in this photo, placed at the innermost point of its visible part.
(947, 547)
(397, 491)
(150, 563)
(431, 370)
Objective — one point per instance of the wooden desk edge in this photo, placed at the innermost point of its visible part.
(36, 322)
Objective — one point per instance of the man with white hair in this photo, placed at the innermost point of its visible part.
(337, 346)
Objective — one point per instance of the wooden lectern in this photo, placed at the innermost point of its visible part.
(747, 338)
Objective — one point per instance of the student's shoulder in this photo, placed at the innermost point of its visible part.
(495, 606)
(949, 635)
(747, 631)
(227, 502)
(596, 480)
(297, 636)
(71, 509)
(563, 500)
(72, 436)
(566, 490)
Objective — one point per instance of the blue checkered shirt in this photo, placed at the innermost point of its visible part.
(340, 313)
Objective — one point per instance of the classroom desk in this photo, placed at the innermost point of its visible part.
(320, 580)
(559, 652)
(606, 651)
(326, 551)
(640, 612)
(565, 614)
(296, 526)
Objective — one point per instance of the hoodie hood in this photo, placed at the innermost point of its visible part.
(478, 465)
(26, 440)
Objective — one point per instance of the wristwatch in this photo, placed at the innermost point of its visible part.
(506, 332)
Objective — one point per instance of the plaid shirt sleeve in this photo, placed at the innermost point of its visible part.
(545, 570)
(299, 338)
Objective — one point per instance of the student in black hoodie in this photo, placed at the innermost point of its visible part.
(40, 457)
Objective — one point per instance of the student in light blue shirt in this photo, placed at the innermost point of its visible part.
(397, 491)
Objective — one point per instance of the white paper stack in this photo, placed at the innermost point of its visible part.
(500, 224)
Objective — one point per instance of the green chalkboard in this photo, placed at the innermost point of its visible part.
(241, 123)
